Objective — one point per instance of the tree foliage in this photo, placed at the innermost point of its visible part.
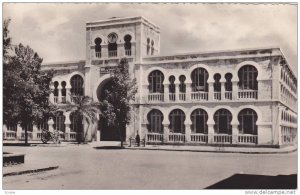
(116, 104)
(26, 88)
(83, 106)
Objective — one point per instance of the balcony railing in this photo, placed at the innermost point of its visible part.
(29, 135)
(63, 99)
(247, 94)
(98, 54)
(228, 95)
(217, 95)
(177, 137)
(55, 99)
(182, 96)
(200, 95)
(172, 96)
(113, 53)
(247, 139)
(155, 97)
(222, 138)
(10, 135)
(199, 138)
(73, 136)
(128, 52)
(154, 137)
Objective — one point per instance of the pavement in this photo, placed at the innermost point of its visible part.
(39, 166)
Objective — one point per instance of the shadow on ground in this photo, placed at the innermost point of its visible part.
(109, 148)
(244, 181)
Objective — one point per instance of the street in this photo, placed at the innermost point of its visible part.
(84, 167)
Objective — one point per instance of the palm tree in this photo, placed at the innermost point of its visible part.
(83, 106)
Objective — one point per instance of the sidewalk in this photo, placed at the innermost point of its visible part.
(195, 148)
(226, 149)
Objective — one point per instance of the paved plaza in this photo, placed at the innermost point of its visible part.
(84, 167)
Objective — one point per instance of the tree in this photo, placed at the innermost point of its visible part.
(84, 107)
(117, 99)
(26, 88)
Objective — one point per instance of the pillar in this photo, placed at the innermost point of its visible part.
(59, 94)
(211, 132)
(19, 132)
(4, 131)
(211, 91)
(223, 90)
(34, 132)
(188, 131)
(188, 91)
(166, 92)
(235, 88)
(166, 133)
(177, 91)
(67, 125)
(235, 133)
(68, 94)
(51, 124)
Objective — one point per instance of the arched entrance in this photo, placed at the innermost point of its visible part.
(108, 133)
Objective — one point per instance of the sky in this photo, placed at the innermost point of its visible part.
(56, 31)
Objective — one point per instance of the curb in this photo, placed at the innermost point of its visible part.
(215, 151)
(29, 171)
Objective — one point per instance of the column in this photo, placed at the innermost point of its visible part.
(19, 132)
(4, 131)
(166, 133)
(188, 131)
(188, 91)
(51, 95)
(223, 90)
(166, 92)
(51, 125)
(211, 132)
(235, 90)
(259, 88)
(34, 132)
(235, 133)
(177, 91)
(68, 94)
(67, 126)
(59, 94)
(211, 91)
(121, 50)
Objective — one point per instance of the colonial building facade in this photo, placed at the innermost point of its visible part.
(242, 97)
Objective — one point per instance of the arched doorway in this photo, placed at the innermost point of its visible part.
(108, 133)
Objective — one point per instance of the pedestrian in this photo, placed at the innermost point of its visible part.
(137, 139)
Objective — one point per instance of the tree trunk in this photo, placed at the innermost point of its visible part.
(26, 136)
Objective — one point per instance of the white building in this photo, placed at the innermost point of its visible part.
(241, 97)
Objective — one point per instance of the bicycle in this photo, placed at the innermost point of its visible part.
(47, 135)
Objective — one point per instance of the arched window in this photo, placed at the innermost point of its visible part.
(177, 118)
(199, 119)
(222, 119)
(152, 47)
(148, 46)
(199, 80)
(112, 45)
(98, 42)
(55, 92)
(77, 85)
(155, 119)
(182, 86)
(217, 84)
(172, 84)
(248, 77)
(156, 79)
(127, 45)
(63, 92)
(59, 121)
(228, 83)
(76, 122)
(247, 119)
